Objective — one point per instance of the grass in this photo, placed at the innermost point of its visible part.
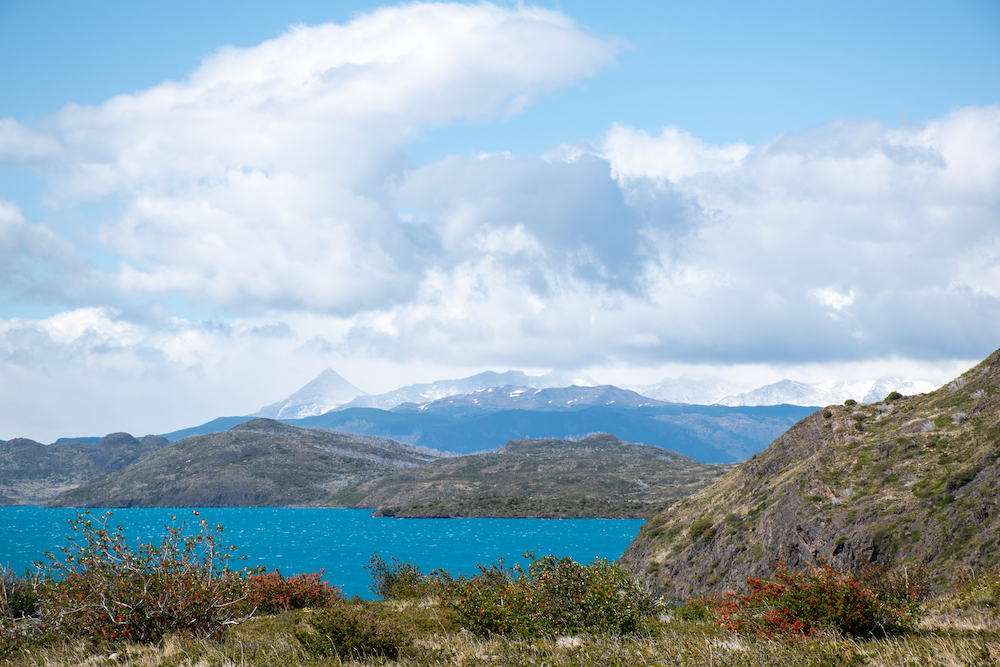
(960, 627)
(947, 637)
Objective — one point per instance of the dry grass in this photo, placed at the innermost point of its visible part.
(948, 637)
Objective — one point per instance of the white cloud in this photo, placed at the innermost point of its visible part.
(831, 298)
(672, 156)
(269, 184)
(715, 255)
(36, 263)
(20, 142)
(263, 179)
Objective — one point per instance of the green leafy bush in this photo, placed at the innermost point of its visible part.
(403, 580)
(849, 402)
(554, 596)
(102, 588)
(352, 631)
(822, 600)
(893, 396)
(271, 592)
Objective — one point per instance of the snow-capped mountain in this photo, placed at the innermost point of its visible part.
(827, 393)
(526, 398)
(323, 394)
(687, 390)
(425, 393)
(330, 391)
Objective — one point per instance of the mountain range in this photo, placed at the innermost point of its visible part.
(710, 434)
(329, 391)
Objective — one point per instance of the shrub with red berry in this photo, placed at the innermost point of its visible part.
(271, 592)
(820, 601)
(102, 588)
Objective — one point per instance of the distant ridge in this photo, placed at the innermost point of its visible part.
(597, 476)
(32, 473)
(261, 462)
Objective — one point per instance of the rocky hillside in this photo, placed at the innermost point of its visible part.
(912, 479)
(259, 463)
(598, 476)
(33, 474)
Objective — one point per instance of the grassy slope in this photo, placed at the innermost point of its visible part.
(598, 476)
(909, 481)
(259, 463)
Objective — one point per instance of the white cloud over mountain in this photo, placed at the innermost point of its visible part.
(273, 187)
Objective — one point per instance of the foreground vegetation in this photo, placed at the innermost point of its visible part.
(101, 601)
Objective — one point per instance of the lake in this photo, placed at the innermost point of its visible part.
(339, 541)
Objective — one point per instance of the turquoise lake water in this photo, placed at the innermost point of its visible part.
(339, 541)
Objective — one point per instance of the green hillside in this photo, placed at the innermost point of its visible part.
(910, 480)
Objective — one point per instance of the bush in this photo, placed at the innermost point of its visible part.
(694, 609)
(554, 596)
(901, 585)
(352, 631)
(104, 589)
(701, 528)
(893, 396)
(18, 595)
(822, 600)
(849, 402)
(270, 592)
(402, 581)
(19, 598)
(977, 589)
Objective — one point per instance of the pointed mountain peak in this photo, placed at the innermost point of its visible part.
(325, 392)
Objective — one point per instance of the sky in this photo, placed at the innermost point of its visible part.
(203, 205)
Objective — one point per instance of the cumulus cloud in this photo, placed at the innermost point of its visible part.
(37, 264)
(272, 185)
(20, 142)
(262, 179)
(848, 241)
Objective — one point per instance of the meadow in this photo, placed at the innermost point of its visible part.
(102, 602)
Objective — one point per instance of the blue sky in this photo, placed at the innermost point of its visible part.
(632, 191)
